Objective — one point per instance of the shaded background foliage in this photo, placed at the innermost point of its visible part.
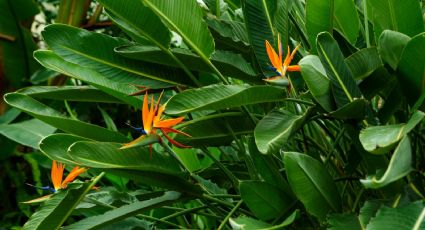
(341, 147)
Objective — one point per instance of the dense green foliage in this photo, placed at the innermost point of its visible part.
(338, 144)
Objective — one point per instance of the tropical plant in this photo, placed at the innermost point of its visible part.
(328, 137)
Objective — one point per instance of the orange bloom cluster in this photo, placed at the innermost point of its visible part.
(279, 65)
(152, 121)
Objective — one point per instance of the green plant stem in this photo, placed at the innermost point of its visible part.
(184, 211)
(225, 196)
(174, 154)
(356, 202)
(299, 101)
(193, 209)
(366, 23)
(224, 203)
(217, 8)
(229, 174)
(229, 215)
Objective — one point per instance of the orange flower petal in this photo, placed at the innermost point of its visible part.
(56, 174)
(145, 110)
(293, 68)
(170, 130)
(72, 175)
(173, 142)
(168, 122)
(273, 57)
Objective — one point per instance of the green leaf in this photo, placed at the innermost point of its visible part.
(185, 18)
(312, 184)
(368, 211)
(121, 213)
(400, 165)
(412, 68)
(264, 199)
(391, 45)
(267, 168)
(42, 75)
(353, 110)
(68, 93)
(233, 30)
(402, 16)
(364, 62)
(54, 212)
(57, 120)
(317, 82)
(258, 22)
(56, 146)
(346, 19)
(96, 51)
(319, 18)
(16, 51)
(228, 63)
(141, 19)
(343, 86)
(344, 221)
(215, 97)
(274, 130)
(111, 87)
(106, 155)
(411, 216)
(28, 133)
(213, 130)
(382, 139)
(247, 223)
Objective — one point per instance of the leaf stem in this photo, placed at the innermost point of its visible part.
(229, 215)
(366, 23)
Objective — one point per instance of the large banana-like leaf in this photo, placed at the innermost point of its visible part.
(274, 130)
(56, 119)
(317, 82)
(185, 17)
(109, 156)
(402, 16)
(259, 24)
(264, 199)
(27, 133)
(68, 93)
(363, 62)
(56, 146)
(228, 63)
(141, 19)
(56, 210)
(16, 41)
(346, 19)
(410, 216)
(412, 68)
(382, 139)
(217, 97)
(125, 211)
(312, 184)
(391, 45)
(319, 18)
(120, 91)
(344, 87)
(399, 166)
(96, 51)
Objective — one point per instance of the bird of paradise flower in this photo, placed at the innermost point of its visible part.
(278, 65)
(152, 121)
(56, 176)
